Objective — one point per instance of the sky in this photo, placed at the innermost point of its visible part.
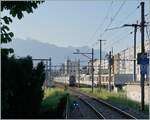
(81, 23)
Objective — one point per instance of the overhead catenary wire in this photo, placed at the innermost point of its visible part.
(121, 26)
(116, 41)
(127, 17)
(119, 34)
(121, 38)
(130, 14)
(113, 18)
(114, 28)
(100, 25)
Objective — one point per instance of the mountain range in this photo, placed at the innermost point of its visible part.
(38, 49)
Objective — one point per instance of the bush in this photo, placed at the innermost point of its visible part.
(54, 104)
(21, 87)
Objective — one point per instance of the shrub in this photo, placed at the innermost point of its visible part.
(21, 87)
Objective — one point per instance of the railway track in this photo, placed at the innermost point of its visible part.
(94, 114)
(84, 110)
(98, 114)
(103, 109)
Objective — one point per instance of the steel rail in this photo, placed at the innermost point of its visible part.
(67, 108)
(98, 114)
(129, 116)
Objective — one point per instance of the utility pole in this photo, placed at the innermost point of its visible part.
(79, 73)
(50, 70)
(100, 59)
(110, 60)
(112, 50)
(92, 59)
(68, 70)
(142, 51)
(142, 25)
(135, 31)
(47, 72)
(92, 69)
(67, 65)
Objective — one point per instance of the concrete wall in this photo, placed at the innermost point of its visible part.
(134, 92)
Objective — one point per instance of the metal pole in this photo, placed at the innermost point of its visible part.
(142, 51)
(109, 84)
(92, 69)
(135, 30)
(112, 61)
(78, 52)
(79, 72)
(100, 64)
(100, 59)
(47, 72)
(50, 65)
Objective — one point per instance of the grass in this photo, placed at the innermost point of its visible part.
(50, 91)
(54, 98)
(118, 98)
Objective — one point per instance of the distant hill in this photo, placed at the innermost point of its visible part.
(38, 49)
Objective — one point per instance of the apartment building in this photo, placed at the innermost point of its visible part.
(125, 62)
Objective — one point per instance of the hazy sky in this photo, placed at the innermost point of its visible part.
(80, 23)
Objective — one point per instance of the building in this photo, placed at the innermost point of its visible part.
(121, 72)
(66, 70)
(124, 63)
(96, 64)
(71, 67)
(122, 68)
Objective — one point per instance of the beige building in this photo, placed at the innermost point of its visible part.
(96, 64)
(122, 69)
(124, 60)
(71, 67)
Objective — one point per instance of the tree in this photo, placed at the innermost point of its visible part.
(16, 9)
(22, 92)
(21, 83)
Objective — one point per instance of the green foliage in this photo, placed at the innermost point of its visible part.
(6, 19)
(16, 9)
(50, 91)
(22, 91)
(54, 103)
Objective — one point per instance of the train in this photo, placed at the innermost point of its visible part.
(72, 81)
